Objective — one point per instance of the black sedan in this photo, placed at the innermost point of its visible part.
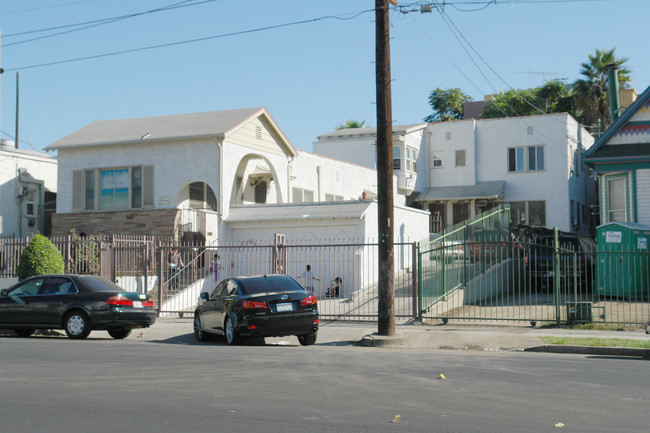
(76, 303)
(257, 307)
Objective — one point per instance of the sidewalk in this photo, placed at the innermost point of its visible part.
(441, 337)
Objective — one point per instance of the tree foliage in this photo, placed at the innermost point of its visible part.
(351, 124)
(591, 92)
(552, 97)
(40, 257)
(447, 104)
(587, 99)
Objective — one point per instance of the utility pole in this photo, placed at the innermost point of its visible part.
(385, 219)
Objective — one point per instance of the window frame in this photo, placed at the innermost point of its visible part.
(436, 155)
(90, 189)
(460, 152)
(397, 157)
(522, 159)
(626, 186)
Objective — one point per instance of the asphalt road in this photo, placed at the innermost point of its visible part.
(100, 385)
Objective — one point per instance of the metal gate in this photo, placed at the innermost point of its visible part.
(500, 280)
(355, 265)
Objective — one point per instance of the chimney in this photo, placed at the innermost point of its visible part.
(614, 97)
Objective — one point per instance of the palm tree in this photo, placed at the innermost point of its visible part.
(351, 124)
(591, 92)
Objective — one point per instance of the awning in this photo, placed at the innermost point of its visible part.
(493, 189)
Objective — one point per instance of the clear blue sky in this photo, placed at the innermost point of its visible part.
(311, 76)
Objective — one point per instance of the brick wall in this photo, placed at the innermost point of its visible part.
(155, 222)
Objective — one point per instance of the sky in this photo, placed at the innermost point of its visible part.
(309, 62)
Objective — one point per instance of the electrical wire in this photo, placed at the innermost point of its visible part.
(97, 23)
(190, 41)
(21, 141)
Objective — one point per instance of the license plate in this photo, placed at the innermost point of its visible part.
(280, 308)
(137, 304)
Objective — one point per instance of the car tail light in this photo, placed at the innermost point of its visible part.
(148, 303)
(119, 300)
(253, 305)
(309, 300)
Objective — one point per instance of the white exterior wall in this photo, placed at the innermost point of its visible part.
(234, 154)
(176, 164)
(333, 177)
(42, 168)
(556, 184)
(461, 138)
(365, 149)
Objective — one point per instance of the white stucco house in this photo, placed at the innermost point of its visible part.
(27, 191)
(225, 176)
(461, 168)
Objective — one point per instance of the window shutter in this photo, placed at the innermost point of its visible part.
(147, 186)
(77, 189)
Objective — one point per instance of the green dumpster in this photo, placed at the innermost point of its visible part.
(622, 265)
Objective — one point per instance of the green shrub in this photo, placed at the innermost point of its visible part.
(41, 257)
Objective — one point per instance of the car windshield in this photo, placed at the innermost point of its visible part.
(98, 284)
(253, 286)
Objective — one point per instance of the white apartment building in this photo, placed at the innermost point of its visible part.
(460, 168)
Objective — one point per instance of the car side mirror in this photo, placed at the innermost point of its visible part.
(205, 296)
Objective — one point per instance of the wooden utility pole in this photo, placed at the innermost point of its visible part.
(384, 171)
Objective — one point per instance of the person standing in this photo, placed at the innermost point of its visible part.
(309, 278)
(175, 262)
(215, 265)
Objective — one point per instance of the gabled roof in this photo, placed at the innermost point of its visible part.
(180, 126)
(600, 151)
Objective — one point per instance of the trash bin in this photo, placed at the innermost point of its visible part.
(622, 265)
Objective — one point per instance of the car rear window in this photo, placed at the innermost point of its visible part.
(253, 286)
(98, 284)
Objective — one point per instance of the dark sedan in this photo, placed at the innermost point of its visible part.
(77, 304)
(258, 307)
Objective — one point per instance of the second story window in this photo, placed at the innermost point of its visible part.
(411, 159)
(397, 159)
(460, 158)
(112, 188)
(528, 158)
(436, 159)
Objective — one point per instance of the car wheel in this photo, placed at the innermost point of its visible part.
(24, 333)
(307, 339)
(119, 333)
(77, 325)
(229, 330)
(199, 334)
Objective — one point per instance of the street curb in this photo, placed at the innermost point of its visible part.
(374, 340)
(591, 350)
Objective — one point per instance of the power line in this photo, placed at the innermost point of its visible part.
(99, 22)
(189, 41)
(21, 141)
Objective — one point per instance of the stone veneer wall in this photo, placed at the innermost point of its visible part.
(154, 222)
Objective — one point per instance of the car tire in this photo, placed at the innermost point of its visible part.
(199, 334)
(229, 331)
(77, 325)
(307, 339)
(24, 333)
(119, 333)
